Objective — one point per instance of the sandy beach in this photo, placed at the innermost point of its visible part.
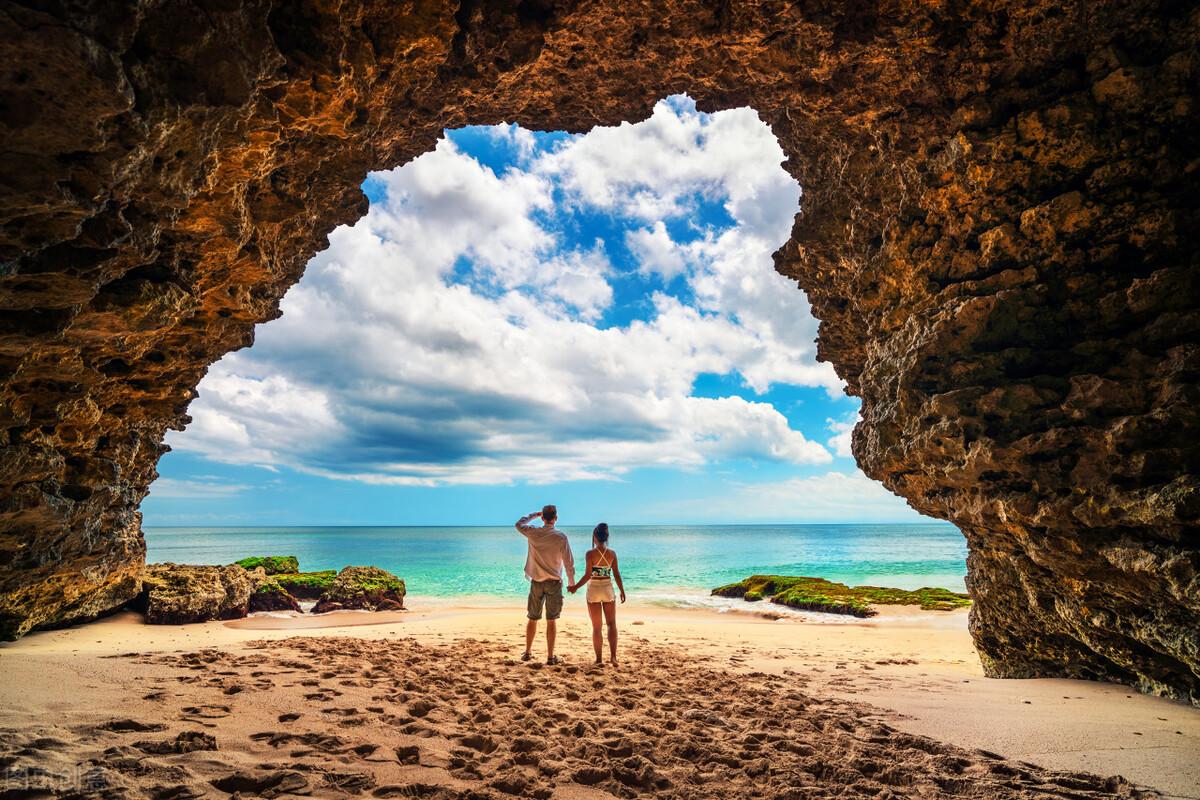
(433, 702)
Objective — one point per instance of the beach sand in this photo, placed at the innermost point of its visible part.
(434, 703)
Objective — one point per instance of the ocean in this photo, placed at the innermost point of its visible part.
(670, 565)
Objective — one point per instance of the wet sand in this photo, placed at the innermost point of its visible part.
(435, 703)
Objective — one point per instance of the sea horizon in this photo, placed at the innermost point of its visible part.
(510, 524)
(669, 565)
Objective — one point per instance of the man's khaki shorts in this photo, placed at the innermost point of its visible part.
(547, 593)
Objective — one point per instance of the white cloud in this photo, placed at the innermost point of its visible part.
(201, 488)
(833, 497)
(579, 280)
(393, 363)
(244, 419)
(661, 168)
(655, 251)
(656, 168)
(842, 429)
(474, 213)
(519, 139)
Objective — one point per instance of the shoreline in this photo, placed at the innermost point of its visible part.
(666, 600)
(912, 670)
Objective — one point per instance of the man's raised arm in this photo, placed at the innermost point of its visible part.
(523, 526)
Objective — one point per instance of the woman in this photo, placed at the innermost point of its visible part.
(599, 575)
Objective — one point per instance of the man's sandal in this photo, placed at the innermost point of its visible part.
(526, 655)
(553, 661)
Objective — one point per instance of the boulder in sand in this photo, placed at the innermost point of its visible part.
(268, 594)
(368, 588)
(177, 594)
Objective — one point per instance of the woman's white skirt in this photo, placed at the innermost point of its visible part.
(600, 591)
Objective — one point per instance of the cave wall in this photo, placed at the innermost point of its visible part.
(998, 234)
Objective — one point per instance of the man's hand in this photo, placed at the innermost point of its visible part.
(537, 514)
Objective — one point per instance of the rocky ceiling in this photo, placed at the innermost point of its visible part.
(999, 234)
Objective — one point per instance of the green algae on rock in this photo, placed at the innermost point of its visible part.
(369, 588)
(307, 585)
(818, 594)
(272, 565)
(268, 594)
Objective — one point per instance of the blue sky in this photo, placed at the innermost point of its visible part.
(524, 318)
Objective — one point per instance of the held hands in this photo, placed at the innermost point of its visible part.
(572, 588)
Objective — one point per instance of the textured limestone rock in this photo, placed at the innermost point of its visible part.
(365, 588)
(268, 594)
(997, 234)
(178, 594)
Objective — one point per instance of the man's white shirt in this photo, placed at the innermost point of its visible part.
(549, 552)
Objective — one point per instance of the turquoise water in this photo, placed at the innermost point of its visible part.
(658, 562)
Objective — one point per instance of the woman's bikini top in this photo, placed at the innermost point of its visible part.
(602, 571)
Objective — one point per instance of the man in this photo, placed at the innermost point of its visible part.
(549, 552)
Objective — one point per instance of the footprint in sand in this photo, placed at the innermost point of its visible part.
(518, 784)
(420, 708)
(422, 790)
(590, 776)
(349, 782)
(342, 712)
(463, 765)
(181, 792)
(130, 725)
(323, 742)
(484, 744)
(185, 742)
(408, 754)
(205, 712)
(271, 784)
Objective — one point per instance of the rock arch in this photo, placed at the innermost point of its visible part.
(997, 234)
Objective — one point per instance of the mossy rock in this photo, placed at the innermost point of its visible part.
(818, 594)
(929, 598)
(307, 585)
(272, 565)
(368, 588)
(268, 594)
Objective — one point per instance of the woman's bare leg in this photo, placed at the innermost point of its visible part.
(597, 639)
(610, 617)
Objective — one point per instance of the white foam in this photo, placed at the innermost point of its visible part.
(274, 614)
